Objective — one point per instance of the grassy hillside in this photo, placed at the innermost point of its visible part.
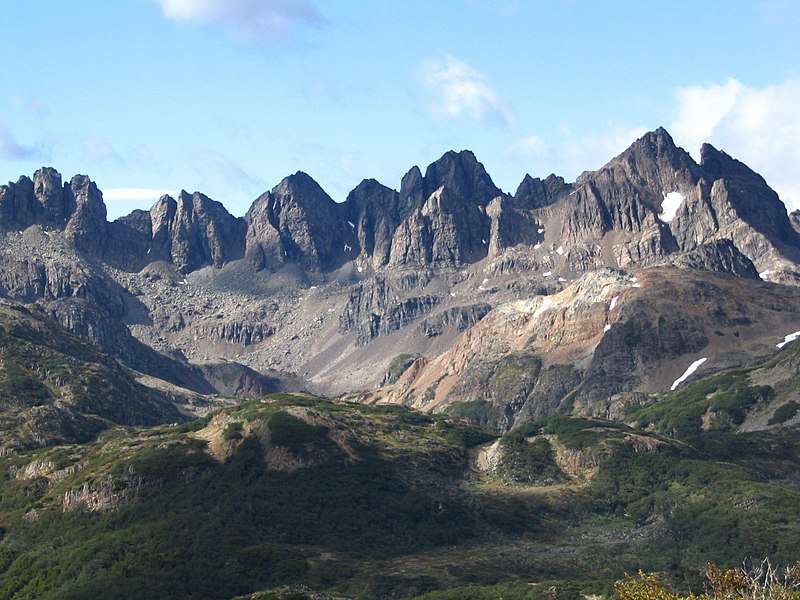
(378, 502)
(56, 388)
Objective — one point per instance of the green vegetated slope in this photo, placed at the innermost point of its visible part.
(295, 493)
(56, 388)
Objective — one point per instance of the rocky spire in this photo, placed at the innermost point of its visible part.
(298, 222)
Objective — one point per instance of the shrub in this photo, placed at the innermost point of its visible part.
(784, 413)
(761, 582)
(232, 432)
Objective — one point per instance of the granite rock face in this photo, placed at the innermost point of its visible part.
(721, 256)
(744, 209)
(375, 309)
(76, 208)
(794, 219)
(297, 222)
(374, 212)
(194, 231)
(447, 224)
(87, 227)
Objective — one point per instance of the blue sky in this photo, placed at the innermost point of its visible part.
(229, 96)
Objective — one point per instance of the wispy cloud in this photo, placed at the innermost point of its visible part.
(453, 88)
(11, 149)
(533, 145)
(759, 126)
(264, 20)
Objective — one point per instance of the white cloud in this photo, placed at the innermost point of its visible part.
(261, 19)
(454, 88)
(11, 149)
(700, 109)
(759, 126)
(135, 194)
(533, 144)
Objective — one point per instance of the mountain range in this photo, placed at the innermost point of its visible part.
(448, 294)
(560, 384)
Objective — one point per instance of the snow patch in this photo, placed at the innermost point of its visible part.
(359, 269)
(692, 368)
(560, 250)
(547, 274)
(452, 294)
(485, 281)
(764, 274)
(353, 225)
(562, 280)
(537, 246)
(540, 230)
(347, 248)
(637, 285)
(613, 304)
(670, 205)
(789, 338)
(546, 303)
(606, 328)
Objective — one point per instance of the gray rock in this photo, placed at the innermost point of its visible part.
(447, 223)
(193, 232)
(87, 226)
(374, 309)
(720, 256)
(297, 222)
(374, 212)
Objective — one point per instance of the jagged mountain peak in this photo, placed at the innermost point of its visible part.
(202, 206)
(718, 164)
(533, 192)
(653, 160)
(301, 188)
(463, 174)
(298, 222)
(439, 218)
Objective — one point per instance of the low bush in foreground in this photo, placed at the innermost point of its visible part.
(760, 582)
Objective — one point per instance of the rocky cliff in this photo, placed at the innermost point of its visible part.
(297, 222)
